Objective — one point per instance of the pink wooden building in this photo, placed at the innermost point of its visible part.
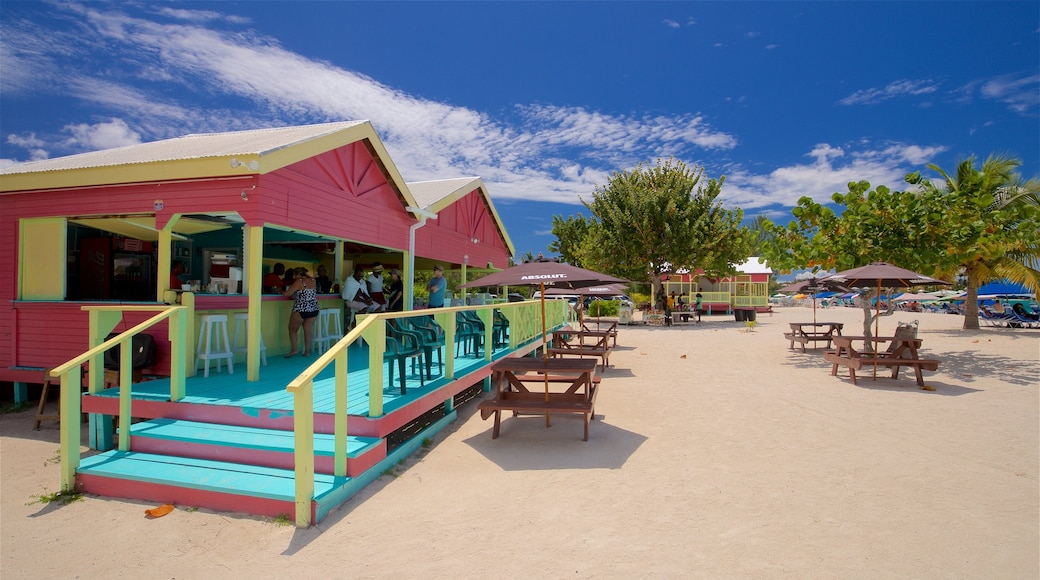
(105, 227)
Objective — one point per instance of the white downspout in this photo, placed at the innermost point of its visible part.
(409, 289)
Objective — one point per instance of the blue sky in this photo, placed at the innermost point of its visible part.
(543, 100)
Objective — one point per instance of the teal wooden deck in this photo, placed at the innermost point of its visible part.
(230, 444)
(269, 393)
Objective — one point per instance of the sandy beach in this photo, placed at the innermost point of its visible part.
(716, 453)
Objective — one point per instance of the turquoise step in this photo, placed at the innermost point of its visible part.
(204, 474)
(194, 432)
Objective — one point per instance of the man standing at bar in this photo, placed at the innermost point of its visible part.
(436, 288)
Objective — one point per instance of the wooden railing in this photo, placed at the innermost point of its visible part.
(525, 324)
(102, 320)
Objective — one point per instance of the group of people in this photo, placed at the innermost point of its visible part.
(360, 294)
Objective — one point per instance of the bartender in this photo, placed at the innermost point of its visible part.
(273, 282)
(176, 269)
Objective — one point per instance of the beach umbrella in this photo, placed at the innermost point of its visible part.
(813, 286)
(545, 273)
(882, 275)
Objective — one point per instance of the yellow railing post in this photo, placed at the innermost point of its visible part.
(126, 380)
(341, 412)
(70, 429)
(375, 336)
(303, 435)
(446, 320)
(178, 323)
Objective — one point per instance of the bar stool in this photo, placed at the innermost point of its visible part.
(242, 324)
(213, 327)
(329, 329)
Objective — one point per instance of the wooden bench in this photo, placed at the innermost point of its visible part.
(807, 338)
(582, 351)
(537, 403)
(855, 363)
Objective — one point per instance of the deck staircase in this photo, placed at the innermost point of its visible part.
(223, 467)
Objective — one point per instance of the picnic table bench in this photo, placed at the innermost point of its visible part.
(901, 353)
(562, 345)
(806, 332)
(513, 376)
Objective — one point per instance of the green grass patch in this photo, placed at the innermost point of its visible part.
(283, 520)
(63, 497)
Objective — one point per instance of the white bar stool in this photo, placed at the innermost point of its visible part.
(242, 324)
(329, 328)
(213, 327)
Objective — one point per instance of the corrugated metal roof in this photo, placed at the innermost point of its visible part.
(428, 193)
(257, 142)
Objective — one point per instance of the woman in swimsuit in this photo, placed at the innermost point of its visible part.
(305, 310)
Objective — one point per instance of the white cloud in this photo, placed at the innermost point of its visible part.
(671, 23)
(531, 160)
(831, 171)
(545, 152)
(1020, 93)
(894, 89)
(115, 133)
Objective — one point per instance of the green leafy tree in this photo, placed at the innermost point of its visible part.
(655, 219)
(572, 235)
(985, 224)
(875, 224)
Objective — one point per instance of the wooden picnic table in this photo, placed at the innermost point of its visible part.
(581, 343)
(902, 352)
(806, 332)
(513, 376)
(606, 326)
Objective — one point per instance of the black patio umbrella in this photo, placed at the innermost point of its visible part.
(545, 273)
(813, 286)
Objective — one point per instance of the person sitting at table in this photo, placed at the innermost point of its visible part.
(355, 293)
(375, 285)
(273, 281)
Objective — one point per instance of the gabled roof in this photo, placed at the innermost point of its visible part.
(438, 194)
(237, 153)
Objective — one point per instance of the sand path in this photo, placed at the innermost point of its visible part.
(716, 453)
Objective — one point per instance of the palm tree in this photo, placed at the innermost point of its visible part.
(989, 221)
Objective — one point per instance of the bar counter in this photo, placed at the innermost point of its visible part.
(274, 315)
